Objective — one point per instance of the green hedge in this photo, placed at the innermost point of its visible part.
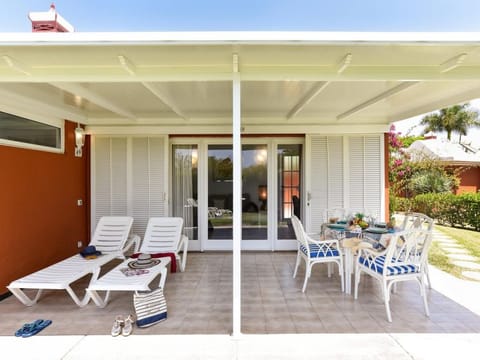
(455, 210)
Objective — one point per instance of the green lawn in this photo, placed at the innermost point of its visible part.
(469, 239)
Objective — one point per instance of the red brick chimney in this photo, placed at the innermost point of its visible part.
(49, 21)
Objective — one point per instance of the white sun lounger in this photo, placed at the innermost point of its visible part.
(111, 237)
(164, 235)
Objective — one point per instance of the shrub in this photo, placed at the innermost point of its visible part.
(455, 210)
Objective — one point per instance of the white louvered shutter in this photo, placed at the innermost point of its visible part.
(158, 179)
(140, 185)
(373, 174)
(326, 177)
(335, 172)
(356, 173)
(119, 176)
(148, 181)
(110, 183)
(101, 184)
(365, 166)
(130, 179)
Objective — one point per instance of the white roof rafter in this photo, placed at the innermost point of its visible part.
(16, 65)
(80, 90)
(403, 86)
(25, 101)
(318, 88)
(452, 63)
(131, 68)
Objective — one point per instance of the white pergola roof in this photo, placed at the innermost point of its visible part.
(290, 81)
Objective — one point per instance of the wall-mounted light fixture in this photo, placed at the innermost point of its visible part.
(79, 140)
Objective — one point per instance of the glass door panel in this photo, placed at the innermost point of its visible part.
(254, 192)
(184, 187)
(289, 188)
(220, 187)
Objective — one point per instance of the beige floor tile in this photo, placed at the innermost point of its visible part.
(200, 302)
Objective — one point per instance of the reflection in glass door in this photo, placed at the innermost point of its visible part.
(289, 190)
(254, 192)
(184, 187)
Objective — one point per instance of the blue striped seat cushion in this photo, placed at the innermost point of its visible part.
(378, 266)
(319, 251)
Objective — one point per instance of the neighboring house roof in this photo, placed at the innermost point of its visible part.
(447, 151)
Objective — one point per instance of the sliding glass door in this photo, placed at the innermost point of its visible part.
(202, 185)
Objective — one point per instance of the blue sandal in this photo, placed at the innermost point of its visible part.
(31, 329)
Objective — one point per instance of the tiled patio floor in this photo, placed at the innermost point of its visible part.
(200, 302)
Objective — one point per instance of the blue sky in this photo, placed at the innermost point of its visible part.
(287, 15)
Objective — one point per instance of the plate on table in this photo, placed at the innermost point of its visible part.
(377, 230)
(337, 226)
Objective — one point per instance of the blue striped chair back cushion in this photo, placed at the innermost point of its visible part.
(379, 263)
(317, 251)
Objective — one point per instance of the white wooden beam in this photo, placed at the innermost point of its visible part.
(127, 65)
(77, 89)
(249, 73)
(344, 63)
(403, 86)
(440, 101)
(131, 68)
(164, 98)
(16, 65)
(452, 63)
(314, 91)
(47, 108)
(319, 87)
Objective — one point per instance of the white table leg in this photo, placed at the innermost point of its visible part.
(348, 270)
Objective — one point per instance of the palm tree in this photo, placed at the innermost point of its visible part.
(457, 118)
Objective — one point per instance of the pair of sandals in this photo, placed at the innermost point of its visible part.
(33, 328)
(123, 326)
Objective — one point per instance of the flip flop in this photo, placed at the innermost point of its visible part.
(128, 327)
(31, 329)
(24, 329)
(117, 325)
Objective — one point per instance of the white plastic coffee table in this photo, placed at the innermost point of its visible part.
(116, 280)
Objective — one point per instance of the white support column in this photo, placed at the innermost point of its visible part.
(237, 200)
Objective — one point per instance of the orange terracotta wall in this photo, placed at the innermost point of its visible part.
(40, 221)
(469, 180)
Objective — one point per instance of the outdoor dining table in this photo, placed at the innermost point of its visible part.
(351, 240)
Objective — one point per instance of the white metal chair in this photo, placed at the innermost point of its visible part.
(164, 235)
(315, 252)
(415, 220)
(340, 214)
(111, 237)
(404, 259)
